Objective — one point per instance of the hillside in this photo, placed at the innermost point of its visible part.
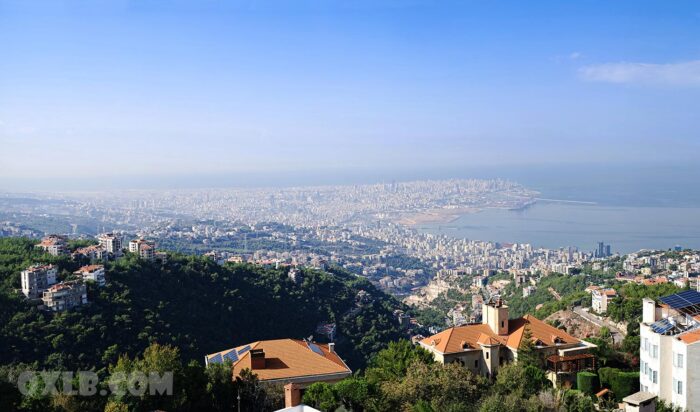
(190, 303)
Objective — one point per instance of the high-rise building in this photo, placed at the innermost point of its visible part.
(670, 349)
(36, 279)
(111, 242)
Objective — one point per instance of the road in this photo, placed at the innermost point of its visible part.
(616, 333)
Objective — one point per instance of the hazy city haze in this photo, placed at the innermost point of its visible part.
(135, 89)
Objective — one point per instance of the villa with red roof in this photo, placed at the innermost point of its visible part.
(293, 362)
(484, 347)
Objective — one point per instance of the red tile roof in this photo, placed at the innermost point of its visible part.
(289, 359)
(454, 339)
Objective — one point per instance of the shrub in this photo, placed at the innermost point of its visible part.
(624, 384)
(606, 375)
(587, 382)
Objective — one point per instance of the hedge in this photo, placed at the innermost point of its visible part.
(606, 375)
(624, 383)
(587, 382)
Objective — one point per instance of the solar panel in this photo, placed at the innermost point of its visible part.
(662, 326)
(216, 359)
(682, 300)
(243, 350)
(315, 348)
(231, 355)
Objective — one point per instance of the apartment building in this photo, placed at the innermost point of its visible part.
(65, 295)
(95, 273)
(54, 245)
(670, 349)
(144, 248)
(112, 243)
(36, 279)
(92, 252)
(484, 347)
(600, 299)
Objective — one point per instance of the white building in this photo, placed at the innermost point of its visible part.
(670, 349)
(600, 299)
(111, 242)
(95, 273)
(37, 278)
(144, 248)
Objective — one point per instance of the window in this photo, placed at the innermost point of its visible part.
(677, 386)
(645, 345)
(655, 351)
(487, 355)
(476, 363)
(679, 360)
(503, 325)
(654, 376)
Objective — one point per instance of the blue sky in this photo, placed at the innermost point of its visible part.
(150, 88)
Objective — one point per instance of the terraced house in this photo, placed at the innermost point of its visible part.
(484, 347)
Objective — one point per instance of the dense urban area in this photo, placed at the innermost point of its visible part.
(385, 316)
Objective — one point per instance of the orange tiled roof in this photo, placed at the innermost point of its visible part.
(89, 268)
(288, 359)
(453, 339)
(690, 337)
(539, 330)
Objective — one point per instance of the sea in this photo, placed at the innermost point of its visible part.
(629, 208)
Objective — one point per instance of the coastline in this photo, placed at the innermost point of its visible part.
(436, 216)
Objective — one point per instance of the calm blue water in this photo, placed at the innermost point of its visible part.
(553, 225)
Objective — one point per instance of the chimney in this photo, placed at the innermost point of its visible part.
(495, 314)
(649, 314)
(257, 359)
(292, 395)
(331, 347)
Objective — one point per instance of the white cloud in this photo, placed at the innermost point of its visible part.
(575, 56)
(676, 74)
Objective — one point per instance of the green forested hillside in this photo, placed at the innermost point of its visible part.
(190, 303)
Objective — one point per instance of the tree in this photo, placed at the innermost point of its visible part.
(521, 381)
(354, 393)
(393, 362)
(445, 386)
(322, 395)
(526, 351)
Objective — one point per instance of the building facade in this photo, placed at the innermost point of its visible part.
(92, 252)
(36, 279)
(65, 295)
(144, 248)
(95, 273)
(112, 243)
(600, 299)
(669, 352)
